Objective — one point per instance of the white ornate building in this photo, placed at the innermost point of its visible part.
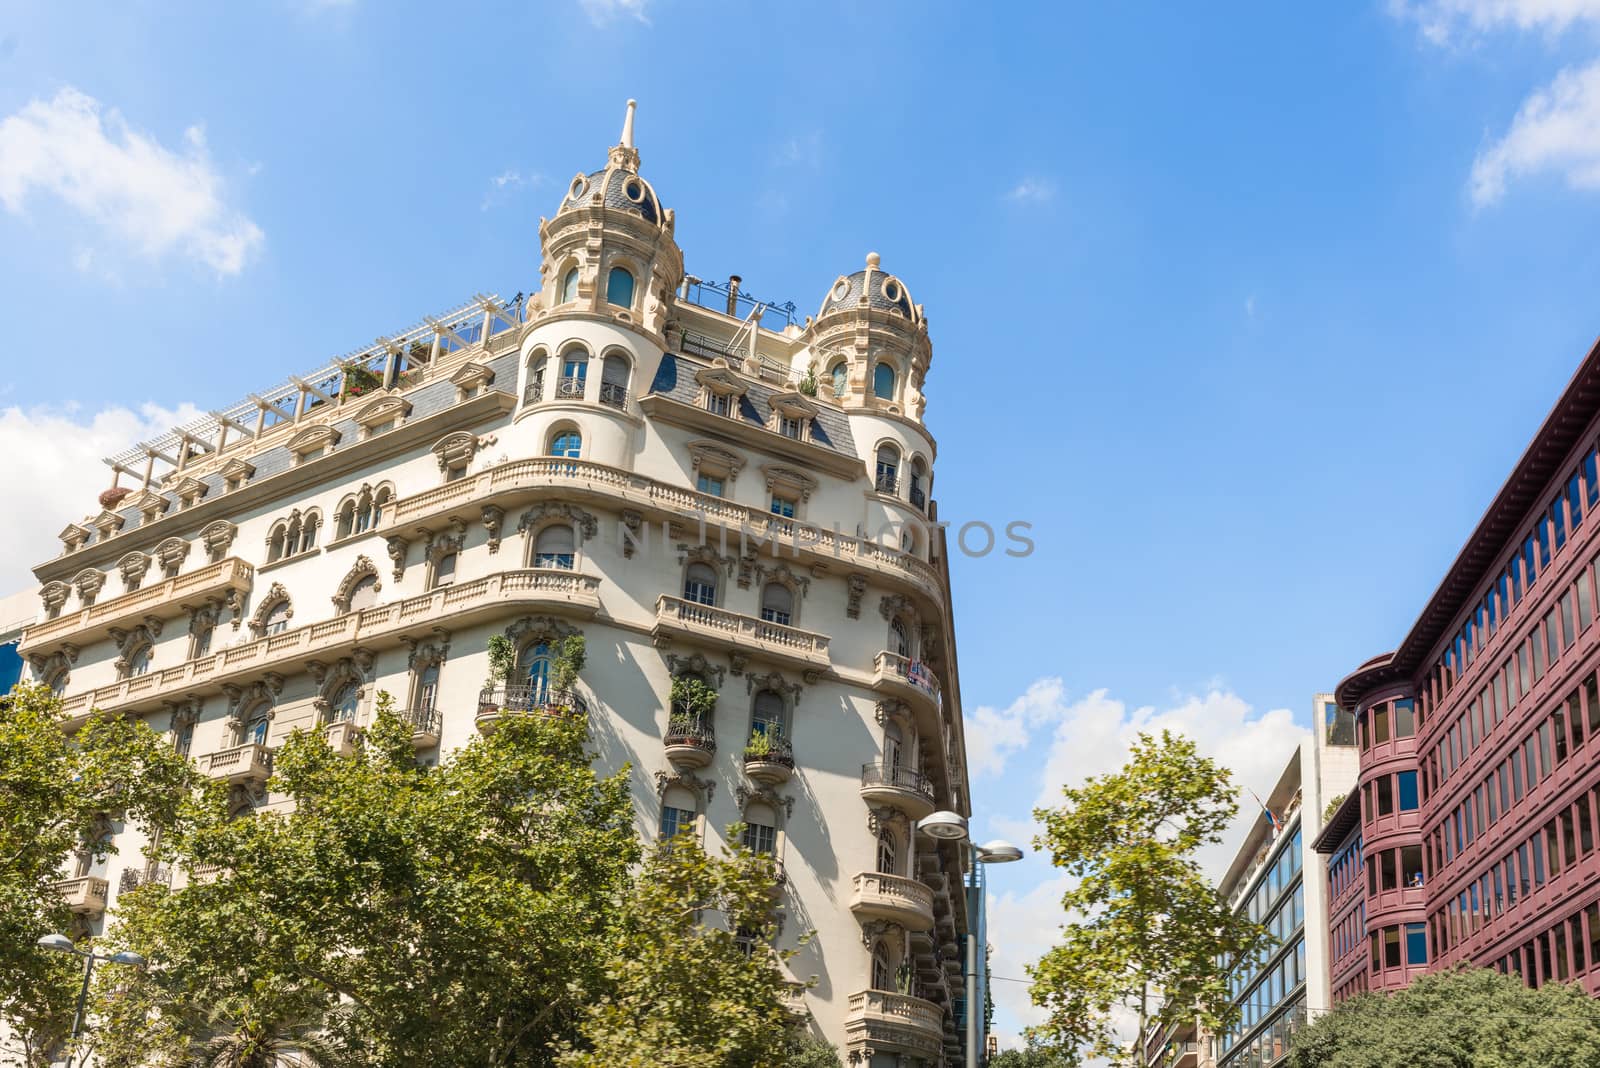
(716, 491)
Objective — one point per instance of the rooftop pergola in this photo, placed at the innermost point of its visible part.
(385, 363)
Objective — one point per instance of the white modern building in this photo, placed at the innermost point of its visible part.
(698, 483)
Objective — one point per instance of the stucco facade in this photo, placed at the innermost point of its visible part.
(718, 491)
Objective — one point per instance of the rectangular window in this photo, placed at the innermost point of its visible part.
(1377, 952)
(1569, 837)
(1388, 879)
(1574, 719)
(1591, 700)
(1535, 649)
(1391, 947)
(1380, 725)
(709, 484)
(1585, 601)
(1405, 718)
(1585, 826)
(1385, 789)
(1416, 944)
(1545, 764)
(1536, 846)
(1516, 777)
(1591, 916)
(783, 506)
(1552, 848)
(1408, 791)
(1556, 729)
(1532, 764)
(1552, 636)
(674, 820)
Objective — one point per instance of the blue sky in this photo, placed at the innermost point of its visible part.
(1247, 313)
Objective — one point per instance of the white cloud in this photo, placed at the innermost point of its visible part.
(141, 193)
(507, 182)
(1032, 190)
(1442, 21)
(1077, 739)
(1557, 130)
(604, 12)
(63, 474)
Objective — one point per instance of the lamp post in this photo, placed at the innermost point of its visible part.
(60, 943)
(952, 827)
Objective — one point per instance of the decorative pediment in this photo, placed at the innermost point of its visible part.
(171, 554)
(74, 537)
(54, 595)
(242, 699)
(362, 568)
(472, 376)
(746, 795)
(780, 572)
(704, 554)
(107, 523)
(549, 512)
(311, 439)
(695, 664)
(794, 404)
(455, 450)
(218, 538)
(427, 654)
(132, 641)
(133, 567)
(88, 582)
(714, 459)
(383, 410)
(776, 683)
(441, 544)
(274, 596)
(237, 472)
(790, 479)
(530, 629)
(189, 491)
(701, 788)
(720, 378)
(150, 504)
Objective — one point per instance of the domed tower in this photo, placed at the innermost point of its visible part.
(609, 251)
(872, 343)
(594, 329)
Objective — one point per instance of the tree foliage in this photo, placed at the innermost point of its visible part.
(694, 982)
(1143, 922)
(1034, 1055)
(1467, 1018)
(461, 913)
(58, 793)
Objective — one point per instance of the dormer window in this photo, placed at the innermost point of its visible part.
(718, 403)
(236, 473)
(471, 380)
(382, 415)
(792, 413)
(189, 491)
(312, 443)
(722, 388)
(74, 537)
(791, 428)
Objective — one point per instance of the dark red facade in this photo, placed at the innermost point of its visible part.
(1478, 806)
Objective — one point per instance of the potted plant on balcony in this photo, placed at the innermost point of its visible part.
(571, 655)
(502, 658)
(693, 703)
(359, 379)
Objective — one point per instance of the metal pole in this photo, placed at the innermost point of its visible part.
(972, 965)
(83, 997)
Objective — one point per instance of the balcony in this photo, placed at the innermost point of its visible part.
(85, 895)
(902, 788)
(570, 387)
(158, 600)
(690, 743)
(677, 617)
(242, 763)
(894, 1023)
(770, 763)
(614, 395)
(496, 706)
(424, 724)
(878, 896)
(905, 677)
(378, 627)
(342, 737)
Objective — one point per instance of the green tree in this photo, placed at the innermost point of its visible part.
(1467, 1018)
(693, 982)
(1143, 923)
(460, 912)
(1033, 1055)
(58, 791)
(275, 1024)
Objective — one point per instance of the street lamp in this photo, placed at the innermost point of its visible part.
(60, 943)
(952, 827)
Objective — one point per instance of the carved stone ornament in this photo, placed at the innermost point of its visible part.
(382, 410)
(398, 547)
(424, 655)
(472, 376)
(107, 523)
(530, 629)
(171, 554)
(150, 505)
(737, 663)
(747, 569)
(361, 569)
(701, 788)
(789, 478)
(709, 457)
(695, 664)
(873, 930)
(894, 604)
(274, 595)
(780, 572)
(54, 595)
(584, 523)
(441, 545)
(633, 523)
(237, 472)
(88, 583)
(857, 586)
(133, 567)
(189, 491)
(880, 817)
(897, 712)
(776, 683)
(743, 795)
(493, 517)
(704, 554)
(455, 450)
(242, 699)
(74, 537)
(311, 439)
(184, 713)
(218, 539)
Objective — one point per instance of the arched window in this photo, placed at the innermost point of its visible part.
(277, 547)
(574, 374)
(57, 681)
(619, 287)
(364, 594)
(569, 287)
(308, 532)
(839, 374)
(568, 443)
(534, 391)
(760, 829)
(700, 584)
(766, 716)
(428, 688)
(365, 516)
(888, 855)
(888, 474)
(614, 381)
(883, 382)
(200, 642)
(919, 481)
(255, 721)
(882, 972)
(899, 637)
(139, 662)
(347, 519)
(534, 666)
(344, 703)
(276, 621)
(777, 603)
(444, 571)
(554, 547)
(677, 812)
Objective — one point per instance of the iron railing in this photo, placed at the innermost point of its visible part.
(778, 751)
(886, 482)
(570, 386)
(540, 699)
(879, 774)
(424, 720)
(614, 394)
(690, 732)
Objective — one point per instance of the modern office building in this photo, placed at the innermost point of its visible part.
(1276, 879)
(1480, 765)
(17, 612)
(700, 484)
